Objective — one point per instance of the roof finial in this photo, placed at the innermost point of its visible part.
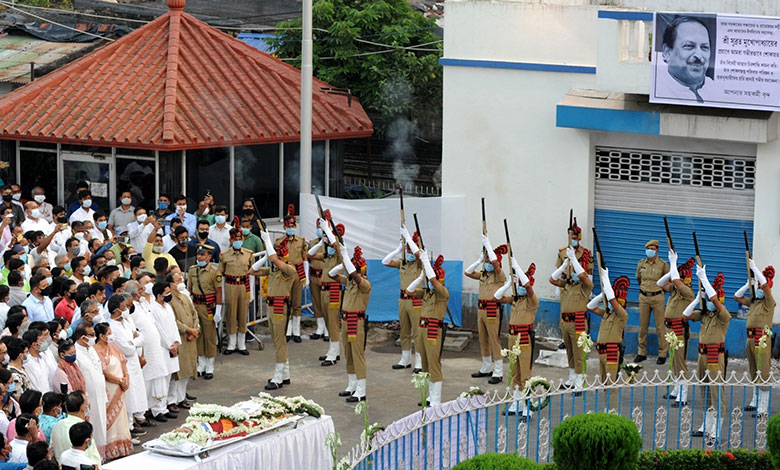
(177, 4)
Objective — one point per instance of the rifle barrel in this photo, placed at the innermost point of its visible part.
(668, 234)
(419, 233)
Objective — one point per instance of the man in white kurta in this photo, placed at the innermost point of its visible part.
(155, 371)
(129, 340)
(36, 367)
(165, 321)
(95, 382)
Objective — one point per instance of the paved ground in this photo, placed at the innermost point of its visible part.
(390, 393)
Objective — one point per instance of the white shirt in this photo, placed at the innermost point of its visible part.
(165, 321)
(18, 451)
(122, 336)
(95, 382)
(3, 314)
(221, 236)
(37, 224)
(168, 243)
(37, 370)
(47, 256)
(96, 233)
(666, 86)
(82, 215)
(153, 350)
(139, 234)
(75, 458)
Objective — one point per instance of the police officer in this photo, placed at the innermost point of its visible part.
(331, 291)
(281, 277)
(316, 255)
(678, 282)
(521, 331)
(409, 306)
(759, 319)
(234, 266)
(296, 247)
(491, 278)
(651, 300)
(353, 318)
(613, 323)
(712, 337)
(205, 285)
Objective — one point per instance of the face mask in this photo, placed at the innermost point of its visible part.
(181, 287)
(489, 267)
(181, 209)
(141, 218)
(39, 198)
(126, 201)
(62, 335)
(125, 313)
(87, 270)
(102, 225)
(87, 203)
(710, 306)
(27, 248)
(79, 236)
(6, 359)
(167, 298)
(70, 359)
(62, 220)
(521, 291)
(48, 279)
(650, 253)
(331, 251)
(162, 205)
(575, 243)
(148, 288)
(219, 219)
(759, 294)
(202, 264)
(237, 244)
(575, 278)
(35, 213)
(157, 249)
(247, 211)
(318, 232)
(245, 231)
(24, 257)
(11, 387)
(111, 262)
(205, 211)
(26, 358)
(90, 341)
(183, 242)
(86, 413)
(46, 343)
(410, 258)
(17, 196)
(289, 231)
(7, 198)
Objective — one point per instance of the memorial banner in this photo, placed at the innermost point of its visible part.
(716, 60)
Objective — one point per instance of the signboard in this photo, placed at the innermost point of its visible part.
(716, 60)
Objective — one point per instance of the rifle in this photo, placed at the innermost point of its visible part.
(702, 302)
(419, 236)
(511, 270)
(599, 263)
(403, 221)
(484, 232)
(571, 237)
(668, 235)
(341, 242)
(258, 219)
(750, 271)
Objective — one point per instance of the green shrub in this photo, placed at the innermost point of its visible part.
(773, 439)
(497, 462)
(596, 441)
(694, 459)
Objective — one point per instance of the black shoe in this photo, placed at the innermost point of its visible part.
(243, 352)
(200, 373)
(479, 375)
(697, 434)
(521, 417)
(326, 339)
(565, 386)
(327, 363)
(669, 397)
(677, 404)
(135, 432)
(161, 418)
(147, 422)
(562, 346)
(325, 358)
(755, 415)
(296, 339)
(399, 366)
(577, 394)
(345, 394)
(427, 403)
(208, 376)
(416, 371)
(173, 408)
(639, 358)
(315, 336)
(284, 382)
(495, 380)
(228, 352)
(660, 361)
(190, 397)
(288, 338)
(354, 399)
(749, 408)
(273, 386)
(170, 415)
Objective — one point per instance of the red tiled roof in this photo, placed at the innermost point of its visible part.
(175, 83)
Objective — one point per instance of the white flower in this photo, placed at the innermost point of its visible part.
(420, 380)
(360, 407)
(584, 342)
(343, 464)
(471, 392)
(504, 352)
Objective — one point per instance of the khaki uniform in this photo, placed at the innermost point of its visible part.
(574, 303)
(186, 317)
(315, 279)
(488, 316)
(234, 267)
(279, 283)
(651, 300)
(521, 323)
(203, 284)
(331, 297)
(353, 336)
(759, 315)
(297, 248)
(429, 334)
(409, 308)
(578, 253)
(712, 337)
(674, 321)
(609, 340)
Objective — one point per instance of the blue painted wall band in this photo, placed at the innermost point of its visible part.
(626, 15)
(613, 120)
(532, 66)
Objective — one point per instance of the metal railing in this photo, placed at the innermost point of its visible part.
(452, 432)
(389, 185)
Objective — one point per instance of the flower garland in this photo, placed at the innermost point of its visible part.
(471, 392)
(532, 388)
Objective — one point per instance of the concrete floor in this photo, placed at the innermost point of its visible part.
(390, 393)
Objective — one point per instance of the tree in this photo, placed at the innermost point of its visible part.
(385, 52)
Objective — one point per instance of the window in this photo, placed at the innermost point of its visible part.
(208, 170)
(257, 176)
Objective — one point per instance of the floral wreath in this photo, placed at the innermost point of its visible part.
(532, 388)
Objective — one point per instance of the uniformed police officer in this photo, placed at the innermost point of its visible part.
(490, 278)
(205, 285)
(759, 319)
(613, 323)
(353, 318)
(521, 331)
(296, 247)
(712, 337)
(281, 277)
(315, 247)
(331, 289)
(651, 300)
(234, 266)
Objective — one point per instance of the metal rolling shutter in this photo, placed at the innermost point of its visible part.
(711, 194)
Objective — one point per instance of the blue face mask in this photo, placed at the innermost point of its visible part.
(710, 306)
(11, 387)
(219, 219)
(289, 231)
(575, 243)
(237, 244)
(245, 231)
(489, 267)
(202, 263)
(102, 225)
(650, 253)
(318, 232)
(26, 358)
(86, 413)
(575, 278)
(410, 258)
(70, 359)
(759, 294)
(331, 251)
(23, 258)
(521, 291)
(162, 205)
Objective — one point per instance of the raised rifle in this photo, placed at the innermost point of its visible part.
(668, 235)
(403, 221)
(702, 302)
(599, 263)
(511, 269)
(750, 271)
(422, 247)
(571, 237)
(484, 232)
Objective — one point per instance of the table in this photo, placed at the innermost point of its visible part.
(301, 448)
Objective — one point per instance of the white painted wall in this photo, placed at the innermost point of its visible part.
(766, 225)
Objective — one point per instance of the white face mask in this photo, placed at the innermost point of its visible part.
(148, 288)
(181, 287)
(126, 313)
(126, 201)
(87, 203)
(39, 198)
(141, 218)
(63, 335)
(205, 211)
(181, 209)
(35, 213)
(79, 236)
(111, 262)
(16, 196)
(91, 341)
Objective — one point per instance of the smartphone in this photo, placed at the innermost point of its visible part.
(86, 467)
(165, 222)
(64, 389)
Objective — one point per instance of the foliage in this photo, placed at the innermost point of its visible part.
(398, 82)
(596, 441)
(773, 439)
(694, 459)
(497, 462)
